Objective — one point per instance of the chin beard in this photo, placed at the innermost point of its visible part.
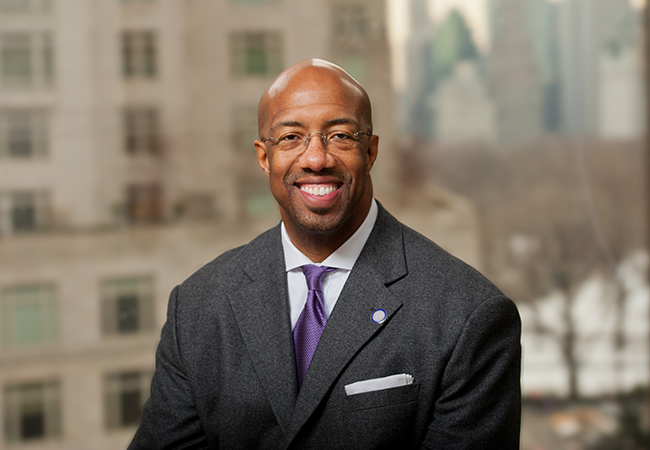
(320, 224)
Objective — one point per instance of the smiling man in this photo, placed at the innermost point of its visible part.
(318, 154)
(339, 328)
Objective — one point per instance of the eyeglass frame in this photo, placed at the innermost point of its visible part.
(305, 139)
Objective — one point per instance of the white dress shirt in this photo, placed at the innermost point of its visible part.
(343, 259)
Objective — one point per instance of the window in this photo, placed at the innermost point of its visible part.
(142, 131)
(139, 56)
(24, 211)
(196, 206)
(23, 133)
(24, 6)
(144, 203)
(26, 59)
(350, 20)
(244, 128)
(256, 54)
(127, 305)
(14, 5)
(29, 316)
(125, 394)
(32, 411)
(253, 2)
(356, 64)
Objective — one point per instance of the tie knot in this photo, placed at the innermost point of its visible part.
(314, 274)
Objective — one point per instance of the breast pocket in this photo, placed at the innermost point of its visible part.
(382, 398)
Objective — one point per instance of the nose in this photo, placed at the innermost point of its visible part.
(315, 156)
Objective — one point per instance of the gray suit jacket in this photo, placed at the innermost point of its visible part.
(225, 370)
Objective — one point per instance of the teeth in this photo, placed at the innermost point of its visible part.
(318, 190)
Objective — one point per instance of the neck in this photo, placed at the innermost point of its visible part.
(316, 248)
(318, 245)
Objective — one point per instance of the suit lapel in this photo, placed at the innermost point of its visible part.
(350, 326)
(262, 313)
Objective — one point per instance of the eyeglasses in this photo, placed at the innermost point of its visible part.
(340, 140)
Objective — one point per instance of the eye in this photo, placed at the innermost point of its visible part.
(290, 137)
(339, 136)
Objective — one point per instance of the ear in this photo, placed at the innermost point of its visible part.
(262, 156)
(373, 150)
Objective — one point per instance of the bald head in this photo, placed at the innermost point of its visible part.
(309, 81)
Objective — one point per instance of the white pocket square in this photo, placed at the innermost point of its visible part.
(377, 384)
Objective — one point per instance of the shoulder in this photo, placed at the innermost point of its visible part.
(444, 297)
(426, 259)
(435, 275)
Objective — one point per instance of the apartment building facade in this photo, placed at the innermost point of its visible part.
(126, 163)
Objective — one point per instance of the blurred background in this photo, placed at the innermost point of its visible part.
(512, 132)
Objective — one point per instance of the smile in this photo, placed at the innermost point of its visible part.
(318, 190)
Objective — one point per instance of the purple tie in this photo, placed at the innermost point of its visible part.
(312, 319)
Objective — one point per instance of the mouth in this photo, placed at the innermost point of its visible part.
(318, 190)
(319, 193)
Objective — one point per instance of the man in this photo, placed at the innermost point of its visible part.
(389, 343)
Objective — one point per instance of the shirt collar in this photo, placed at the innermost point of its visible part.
(343, 257)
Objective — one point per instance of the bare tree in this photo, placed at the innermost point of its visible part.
(547, 229)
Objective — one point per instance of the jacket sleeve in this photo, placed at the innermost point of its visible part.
(169, 416)
(480, 402)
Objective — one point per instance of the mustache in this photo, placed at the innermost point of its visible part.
(332, 173)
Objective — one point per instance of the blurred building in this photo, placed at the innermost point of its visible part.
(551, 68)
(464, 109)
(417, 120)
(583, 29)
(541, 24)
(126, 162)
(514, 75)
(621, 96)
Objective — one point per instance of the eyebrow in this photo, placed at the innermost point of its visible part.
(342, 121)
(329, 123)
(287, 123)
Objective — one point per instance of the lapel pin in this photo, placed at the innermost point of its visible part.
(379, 315)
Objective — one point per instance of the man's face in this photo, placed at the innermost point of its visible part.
(318, 189)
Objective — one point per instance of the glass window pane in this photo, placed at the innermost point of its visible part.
(127, 305)
(28, 323)
(23, 133)
(244, 126)
(124, 396)
(253, 2)
(16, 59)
(14, 4)
(149, 54)
(127, 314)
(142, 131)
(20, 142)
(130, 407)
(29, 316)
(139, 54)
(127, 55)
(255, 54)
(32, 425)
(32, 411)
(23, 214)
(349, 20)
(48, 59)
(25, 6)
